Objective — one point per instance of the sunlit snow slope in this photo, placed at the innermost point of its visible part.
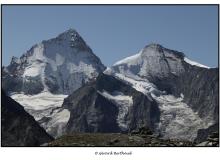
(46, 109)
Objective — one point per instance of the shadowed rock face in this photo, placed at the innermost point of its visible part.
(199, 87)
(203, 134)
(18, 128)
(93, 111)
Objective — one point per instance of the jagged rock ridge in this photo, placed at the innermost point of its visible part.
(18, 128)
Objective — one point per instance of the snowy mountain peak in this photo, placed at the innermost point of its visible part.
(50, 70)
(154, 46)
(59, 65)
(153, 61)
(71, 30)
(69, 33)
(156, 49)
(69, 39)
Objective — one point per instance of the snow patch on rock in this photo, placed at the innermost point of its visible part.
(123, 102)
(59, 59)
(193, 63)
(36, 62)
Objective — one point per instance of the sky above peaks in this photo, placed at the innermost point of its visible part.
(115, 31)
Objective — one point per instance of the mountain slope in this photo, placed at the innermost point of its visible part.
(172, 74)
(109, 105)
(42, 77)
(59, 65)
(46, 109)
(165, 91)
(18, 128)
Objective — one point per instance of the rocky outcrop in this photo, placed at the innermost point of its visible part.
(205, 134)
(199, 87)
(109, 105)
(211, 141)
(18, 128)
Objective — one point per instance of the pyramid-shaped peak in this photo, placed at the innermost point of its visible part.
(154, 46)
(72, 37)
(69, 33)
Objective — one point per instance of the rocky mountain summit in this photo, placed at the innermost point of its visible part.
(42, 77)
(170, 78)
(59, 65)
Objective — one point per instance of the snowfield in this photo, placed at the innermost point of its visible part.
(46, 106)
(194, 63)
(41, 101)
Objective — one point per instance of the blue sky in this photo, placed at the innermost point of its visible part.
(114, 32)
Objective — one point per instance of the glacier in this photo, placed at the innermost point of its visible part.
(123, 102)
(46, 106)
(47, 73)
(177, 120)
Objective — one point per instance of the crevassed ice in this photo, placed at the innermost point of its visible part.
(177, 119)
(56, 126)
(46, 105)
(123, 102)
(39, 101)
